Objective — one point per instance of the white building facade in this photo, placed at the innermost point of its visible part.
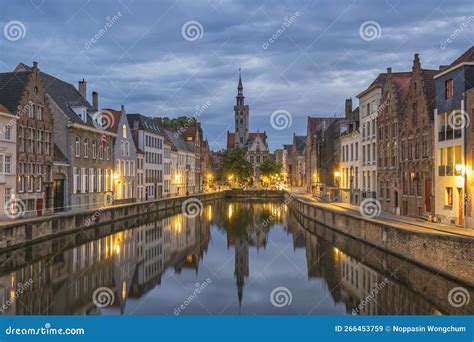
(7, 162)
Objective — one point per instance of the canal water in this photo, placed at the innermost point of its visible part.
(236, 257)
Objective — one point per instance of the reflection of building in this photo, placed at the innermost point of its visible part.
(241, 270)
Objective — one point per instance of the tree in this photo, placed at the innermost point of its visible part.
(268, 167)
(236, 166)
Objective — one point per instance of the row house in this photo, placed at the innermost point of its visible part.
(394, 95)
(183, 165)
(416, 142)
(297, 161)
(453, 125)
(7, 161)
(193, 137)
(125, 156)
(167, 159)
(149, 137)
(23, 94)
(349, 157)
(140, 179)
(370, 106)
(83, 177)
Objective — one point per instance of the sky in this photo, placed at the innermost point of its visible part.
(298, 58)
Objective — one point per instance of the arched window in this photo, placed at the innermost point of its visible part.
(124, 130)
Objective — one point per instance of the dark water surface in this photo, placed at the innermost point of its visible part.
(236, 258)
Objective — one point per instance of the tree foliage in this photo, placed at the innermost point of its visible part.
(235, 164)
(268, 167)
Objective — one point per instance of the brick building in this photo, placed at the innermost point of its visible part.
(416, 144)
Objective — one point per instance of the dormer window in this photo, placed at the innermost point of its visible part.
(81, 112)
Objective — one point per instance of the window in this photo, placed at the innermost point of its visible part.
(39, 113)
(8, 195)
(8, 164)
(449, 197)
(78, 147)
(21, 138)
(39, 184)
(124, 130)
(448, 89)
(30, 183)
(94, 150)
(30, 110)
(8, 133)
(86, 148)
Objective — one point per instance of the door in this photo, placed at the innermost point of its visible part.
(460, 206)
(39, 207)
(427, 195)
(405, 208)
(58, 188)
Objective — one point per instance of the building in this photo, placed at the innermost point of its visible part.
(23, 94)
(255, 144)
(297, 161)
(149, 137)
(416, 145)
(183, 162)
(349, 141)
(167, 167)
(8, 155)
(286, 163)
(194, 138)
(140, 176)
(82, 143)
(125, 157)
(453, 141)
(314, 131)
(370, 101)
(389, 116)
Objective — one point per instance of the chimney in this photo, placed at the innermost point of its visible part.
(95, 100)
(83, 89)
(348, 109)
(389, 71)
(416, 61)
(35, 65)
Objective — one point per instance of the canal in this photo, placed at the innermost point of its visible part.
(236, 257)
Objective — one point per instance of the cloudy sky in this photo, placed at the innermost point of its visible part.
(170, 57)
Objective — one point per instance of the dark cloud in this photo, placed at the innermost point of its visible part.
(312, 65)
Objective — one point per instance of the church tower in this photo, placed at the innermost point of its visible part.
(241, 117)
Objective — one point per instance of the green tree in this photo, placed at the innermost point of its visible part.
(235, 165)
(268, 167)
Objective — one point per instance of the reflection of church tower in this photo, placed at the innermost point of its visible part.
(241, 265)
(241, 117)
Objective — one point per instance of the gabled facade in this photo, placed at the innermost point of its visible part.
(23, 94)
(125, 158)
(297, 161)
(416, 145)
(183, 163)
(395, 92)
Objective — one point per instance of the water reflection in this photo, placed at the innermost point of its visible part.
(241, 250)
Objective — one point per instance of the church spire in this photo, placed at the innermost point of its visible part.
(240, 91)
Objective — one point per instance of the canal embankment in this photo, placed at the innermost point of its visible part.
(442, 252)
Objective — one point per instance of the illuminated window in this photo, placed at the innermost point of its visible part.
(449, 89)
(124, 130)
